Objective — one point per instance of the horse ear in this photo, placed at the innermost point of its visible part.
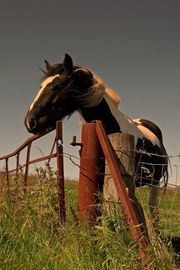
(49, 68)
(68, 64)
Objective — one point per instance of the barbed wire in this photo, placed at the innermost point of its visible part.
(168, 213)
(142, 151)
(75, 160)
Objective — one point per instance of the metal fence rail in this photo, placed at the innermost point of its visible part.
(27, 144)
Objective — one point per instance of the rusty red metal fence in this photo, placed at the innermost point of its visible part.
(58, 154)
(94, 141)
(94, 144)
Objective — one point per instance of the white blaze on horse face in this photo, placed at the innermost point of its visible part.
(42, 88)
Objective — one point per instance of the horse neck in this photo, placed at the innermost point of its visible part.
(102, 112)
(113, 119)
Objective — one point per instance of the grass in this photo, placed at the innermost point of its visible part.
(31, 236)
(169, 208)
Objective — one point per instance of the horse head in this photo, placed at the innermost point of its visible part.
(62, 85)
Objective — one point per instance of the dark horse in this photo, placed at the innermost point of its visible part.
(67, 88)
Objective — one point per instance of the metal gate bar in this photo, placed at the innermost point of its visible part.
(128, 210)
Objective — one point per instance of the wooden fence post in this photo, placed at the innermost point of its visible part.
(123, 145)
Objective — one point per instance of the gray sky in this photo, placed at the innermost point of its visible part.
(133, 45)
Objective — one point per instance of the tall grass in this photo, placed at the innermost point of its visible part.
(31, 236)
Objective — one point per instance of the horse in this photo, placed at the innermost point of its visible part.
(67, 88)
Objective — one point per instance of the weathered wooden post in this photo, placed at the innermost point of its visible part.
(126, 155)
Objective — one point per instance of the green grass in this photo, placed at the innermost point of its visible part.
(169, 209)
(31, 236)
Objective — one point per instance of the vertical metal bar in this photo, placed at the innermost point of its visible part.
(52, 149)
(27, 167)
(7, 173)
(17, 165)
(128, 210)
(1, 183)
(60, 172)
(17, 170)
(88, 180)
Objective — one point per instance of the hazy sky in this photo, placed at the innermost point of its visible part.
(133, 45)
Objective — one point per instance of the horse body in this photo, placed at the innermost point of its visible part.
(150, 158)
(67, 88)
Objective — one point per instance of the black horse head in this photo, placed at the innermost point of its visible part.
(62, 85)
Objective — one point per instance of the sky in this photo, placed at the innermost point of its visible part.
(133, 45)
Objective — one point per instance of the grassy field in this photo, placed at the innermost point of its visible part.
(31, 236)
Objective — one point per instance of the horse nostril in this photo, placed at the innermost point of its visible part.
(32, 124)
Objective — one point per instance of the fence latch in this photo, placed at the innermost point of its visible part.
(74, 143)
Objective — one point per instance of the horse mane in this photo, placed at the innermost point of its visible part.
(95, 93)
(99, 85)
